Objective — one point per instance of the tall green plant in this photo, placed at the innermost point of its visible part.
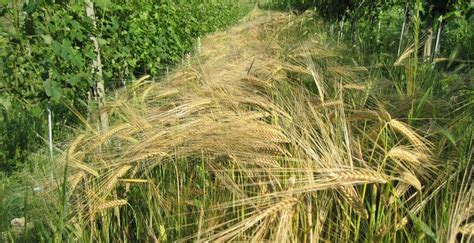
(47, 54)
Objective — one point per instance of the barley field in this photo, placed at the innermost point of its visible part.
(270, 130)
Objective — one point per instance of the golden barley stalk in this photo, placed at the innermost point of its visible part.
(109, 133)
(400, 189)
(402, 153)
(355, 86)
(360, 175)
(401, 224)
(140, 80)
(467, 229)
(256, 81)
(230, 232)
(114, 178)
(73, 146)
(127, 138)
(111, 204)
(321, 219)
(133, 180)
(365, 115)
(330, 103)
(411, 180)
(85, 168)
(317, 80)
(145, 93)
(404, 56)
(75, 179)
(415, 139)
(271, 134)
(380, 233)
(148, 156)
(269, 148)
(265, 161)
(351, 196)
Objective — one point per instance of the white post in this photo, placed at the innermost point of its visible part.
(438, 39)
(428, 45)
(379, 27)
(341, 29)
(403, 31)
(50, 130)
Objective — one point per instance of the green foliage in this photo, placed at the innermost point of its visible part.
(47, 55)
(374, 24)
(48, 52)
(18, 135)
(460, 36)
(145, 39)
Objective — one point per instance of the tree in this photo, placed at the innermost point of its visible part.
(97, 69)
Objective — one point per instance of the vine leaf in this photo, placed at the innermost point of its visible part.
(5, 102)
(52, 89)
(47, 39)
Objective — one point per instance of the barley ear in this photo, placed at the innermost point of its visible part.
(111, 204)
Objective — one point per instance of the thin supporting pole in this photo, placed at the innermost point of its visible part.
(379, 27)
(341, 29)
(50, 130)
(403, 31)
(438, 40)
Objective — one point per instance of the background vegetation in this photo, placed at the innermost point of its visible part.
(47, 57)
